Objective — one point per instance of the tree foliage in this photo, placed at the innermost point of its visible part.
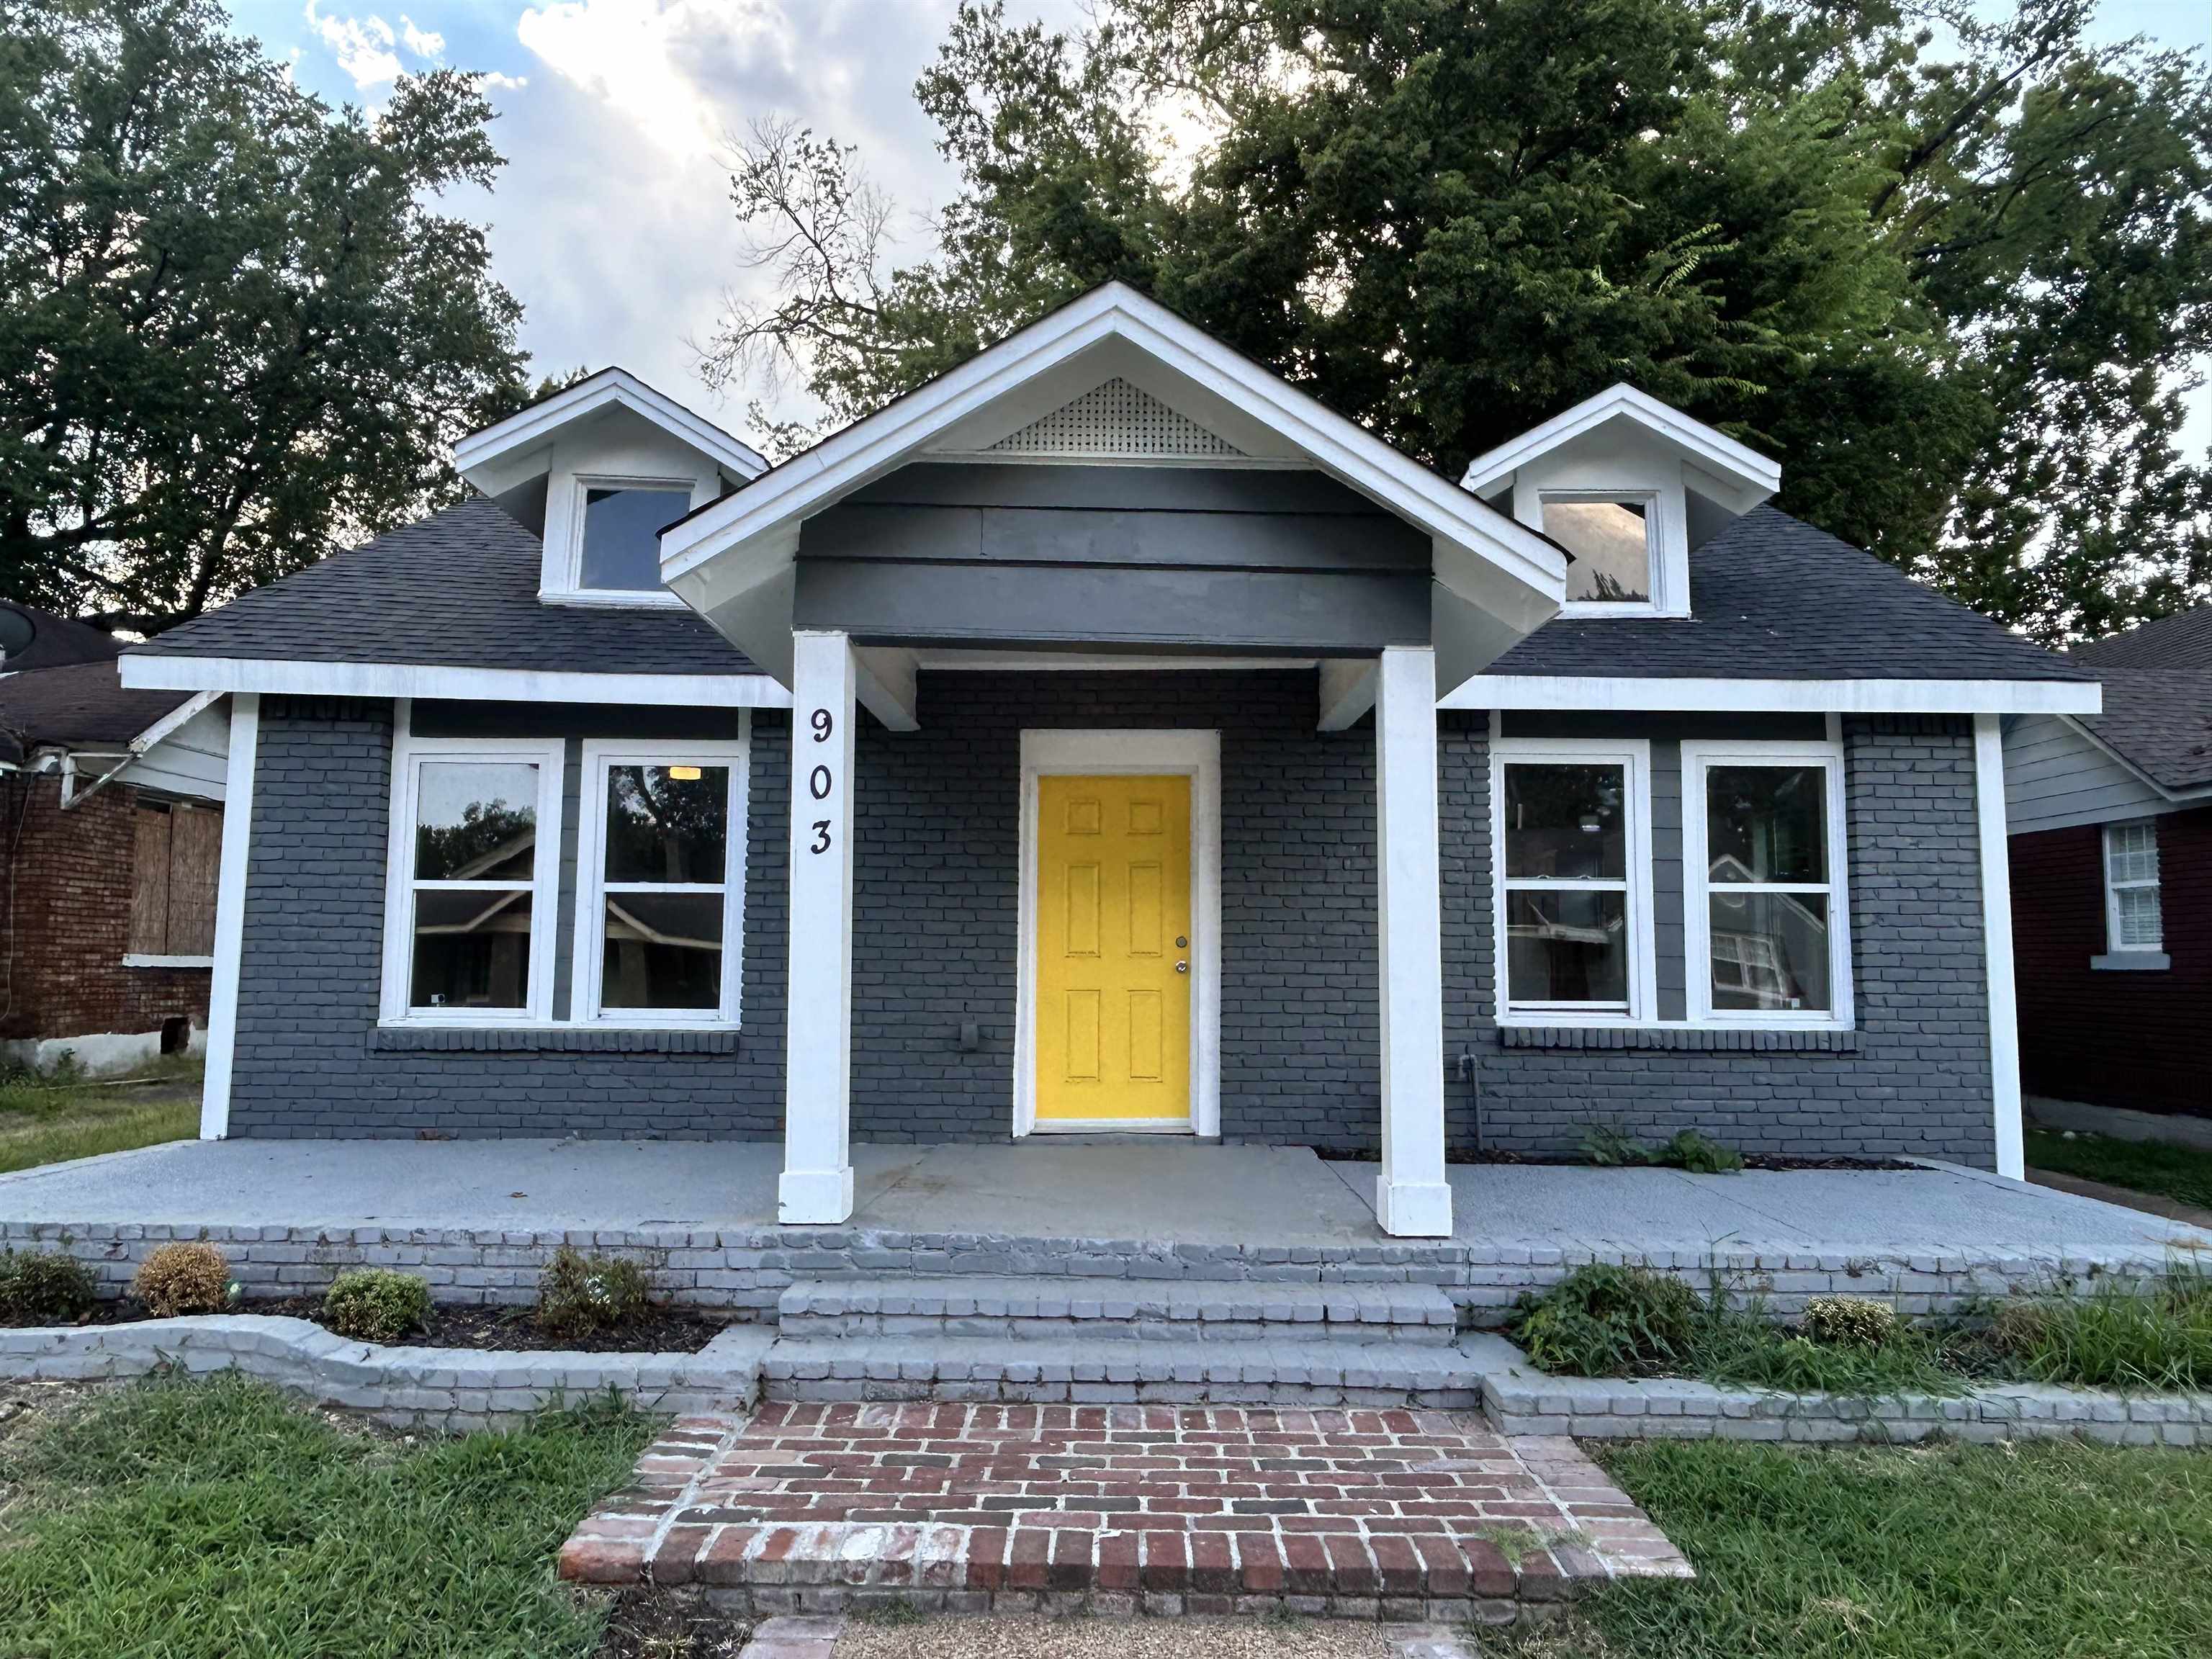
(233, 325)
(1956, 273)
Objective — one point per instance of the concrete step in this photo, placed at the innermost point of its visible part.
(1052, 1308)
(1094, 1369)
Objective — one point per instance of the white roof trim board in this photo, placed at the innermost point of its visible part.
(732, 560)
(1698, 443)
(610, 388)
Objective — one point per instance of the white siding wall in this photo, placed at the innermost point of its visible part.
(191, 761)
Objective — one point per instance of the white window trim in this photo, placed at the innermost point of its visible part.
(1661, 601)
(1634, 755)
(2112, 945)
(1697, 888)
(599, 756)
(407, 751)
(1197, 755)
(572, 590)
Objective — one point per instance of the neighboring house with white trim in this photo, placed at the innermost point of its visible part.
(1108, 737)
(111, 824)
(2112, 864)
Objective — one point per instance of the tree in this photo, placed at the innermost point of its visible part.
(232, 326)
(1956, 273)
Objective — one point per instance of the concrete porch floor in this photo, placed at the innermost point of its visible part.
(1181, 1193)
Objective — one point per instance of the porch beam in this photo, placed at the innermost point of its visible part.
(1412, 1197)
(817, 1186)
(886, 686)
(1996, 933)
(1347, 691)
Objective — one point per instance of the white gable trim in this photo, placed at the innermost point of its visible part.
(1715, 451)
(873, 446)
(610, 388)
(367, 679)
(1869, 696)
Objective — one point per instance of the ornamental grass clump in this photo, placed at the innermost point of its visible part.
(579, 1294)
(375, 1305)
(1606, 1319)
(2122, 1334)
(40, 1287)
(177, 1279)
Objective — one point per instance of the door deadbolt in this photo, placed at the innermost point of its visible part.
(1183, 967)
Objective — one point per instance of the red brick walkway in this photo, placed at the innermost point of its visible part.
(1391, 1514)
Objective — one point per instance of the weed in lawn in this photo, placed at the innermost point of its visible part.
(891, 1614)
(208, 1519)
(2116, 1336)
(1606, 1319)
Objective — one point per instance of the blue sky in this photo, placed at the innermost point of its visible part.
(612, 222)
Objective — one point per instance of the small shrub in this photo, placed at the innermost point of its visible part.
(1850, 1320)
(176, 1280)
(1608, 1320)
(578, 1294)
(40, 1287)
(375, 1305)
(1699, 1154)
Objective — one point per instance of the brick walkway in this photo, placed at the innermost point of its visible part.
(1401, 1515)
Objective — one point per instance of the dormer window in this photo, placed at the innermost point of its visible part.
(618, 532)
(1615, 545)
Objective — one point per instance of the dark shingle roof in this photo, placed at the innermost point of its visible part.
(1772, 598)
(56, 640)
(2184, 640)
(76, 704)
(457, 590)
(2161, 720)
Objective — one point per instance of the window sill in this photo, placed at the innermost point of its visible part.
(612, 598)
(140, 959)
(2131, 962)
(1731, 1039)
(552, 1039)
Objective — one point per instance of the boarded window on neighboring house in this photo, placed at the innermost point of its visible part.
(173, 892)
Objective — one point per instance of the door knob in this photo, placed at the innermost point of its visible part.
(1183, 967)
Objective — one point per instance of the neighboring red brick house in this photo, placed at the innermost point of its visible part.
(2111, 817)
(111, 826)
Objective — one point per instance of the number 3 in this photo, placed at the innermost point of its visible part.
(821, 837)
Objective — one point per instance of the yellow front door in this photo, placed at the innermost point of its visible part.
(1113, 963)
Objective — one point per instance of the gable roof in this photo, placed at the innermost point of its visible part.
(610, 388)
(2181, 641)
(733, 559)
(1754, 477)
(76, 704)
(2158, 698)
(1772, 597)
(458, 589)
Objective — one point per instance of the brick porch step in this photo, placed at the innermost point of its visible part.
(1034, 1310)
(1395, 1515)
(1112, 1370)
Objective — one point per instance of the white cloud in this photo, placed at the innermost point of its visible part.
(425, 44)
(362, 46)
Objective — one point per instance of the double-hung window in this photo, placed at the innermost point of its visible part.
(2133, 918)
(1572, 830)
(1765, 911)
(473, 881)
(660, 884)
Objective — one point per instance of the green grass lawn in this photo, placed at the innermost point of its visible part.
(2178, 1172)
(2054, 1551)
(43, 1121)
(183, 1519)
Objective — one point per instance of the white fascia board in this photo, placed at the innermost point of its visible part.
(1871, 696)
(170, 721)
(610, 388)
(1708, 448)
(873, 446)
(218, 674)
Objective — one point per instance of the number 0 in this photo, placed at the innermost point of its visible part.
(818, 783)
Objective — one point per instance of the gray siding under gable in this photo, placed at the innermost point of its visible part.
(1229, 559)
(2056, 778)
(936, 907)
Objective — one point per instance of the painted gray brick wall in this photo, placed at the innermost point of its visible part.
(309, 979)
(937, 899)
(1916, 1077)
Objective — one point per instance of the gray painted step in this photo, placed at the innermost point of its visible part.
(1045, 1309)
(1107, 1370)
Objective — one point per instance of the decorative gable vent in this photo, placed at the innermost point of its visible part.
(1116, 419)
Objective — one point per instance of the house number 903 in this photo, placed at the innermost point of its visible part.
(820, 781)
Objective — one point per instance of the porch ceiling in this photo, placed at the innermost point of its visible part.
(1492, 581)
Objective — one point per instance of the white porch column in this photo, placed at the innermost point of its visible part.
(1996, 932)
(229, 915)
(818, 1098)
(1411, 1198)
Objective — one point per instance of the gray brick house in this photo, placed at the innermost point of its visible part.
(1109, 739)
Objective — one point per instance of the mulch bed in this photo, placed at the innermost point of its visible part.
(506, 1330)
(649, 1623)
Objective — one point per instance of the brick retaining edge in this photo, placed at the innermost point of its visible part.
(452, 1389)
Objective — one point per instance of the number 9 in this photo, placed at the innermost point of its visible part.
(822, 724)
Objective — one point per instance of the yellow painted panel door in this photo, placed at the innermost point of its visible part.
(1113, 959)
